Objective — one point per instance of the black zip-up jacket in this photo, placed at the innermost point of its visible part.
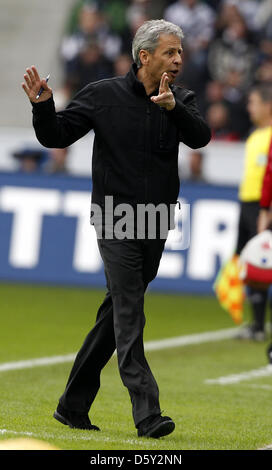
(135, 154)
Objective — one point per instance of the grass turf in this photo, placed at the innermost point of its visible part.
(39, 321)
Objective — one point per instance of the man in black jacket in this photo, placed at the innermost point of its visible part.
(138, 121)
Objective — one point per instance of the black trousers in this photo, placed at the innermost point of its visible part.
(129, 267)
(247, 227)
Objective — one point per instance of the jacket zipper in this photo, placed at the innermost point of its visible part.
(148, 149)
(162, 128)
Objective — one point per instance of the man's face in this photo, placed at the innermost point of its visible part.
(257, 108)
(167, 57)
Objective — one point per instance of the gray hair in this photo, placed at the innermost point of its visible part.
(148, 35)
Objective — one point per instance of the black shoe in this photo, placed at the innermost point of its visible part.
(74, 419)
(156, 426)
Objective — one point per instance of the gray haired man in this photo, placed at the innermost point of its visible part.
(139, 121)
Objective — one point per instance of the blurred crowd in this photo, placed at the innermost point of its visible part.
(227, 49)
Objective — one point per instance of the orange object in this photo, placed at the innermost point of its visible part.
(229, 289)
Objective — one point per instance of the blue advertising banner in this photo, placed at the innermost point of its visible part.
(46, 236)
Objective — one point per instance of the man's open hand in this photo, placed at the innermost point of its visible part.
(32, 85)
(165, 98)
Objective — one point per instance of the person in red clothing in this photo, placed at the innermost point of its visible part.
(265, 215)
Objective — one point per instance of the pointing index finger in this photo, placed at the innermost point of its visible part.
(161, 83)
(164, 83)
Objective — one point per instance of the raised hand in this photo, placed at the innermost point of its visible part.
(165, 98)
(32, 85)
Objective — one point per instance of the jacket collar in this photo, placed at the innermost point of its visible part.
(133, 80)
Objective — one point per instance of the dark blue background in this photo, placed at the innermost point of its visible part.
(58, 237)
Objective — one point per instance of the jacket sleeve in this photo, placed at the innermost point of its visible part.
(266, 197)
(61, 129)
(193, 130)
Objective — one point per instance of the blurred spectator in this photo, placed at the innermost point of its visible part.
(155, 8)
(227, 48)
(122, 64)
(36, 160)
(212, 93)
(197, 22)
(136, 15)
(264, 72)
(264, 21)
(233, 50)
(119, 13)
(234, 85)
(115, 13)
(196, 167)
(218, 118)
(92, 28)
(73, 18)
(248, 10)
(57, 162)
(264, 18)
(236, 98)
(235, 101)
(88, 66)
(31, 160)
(264, 13)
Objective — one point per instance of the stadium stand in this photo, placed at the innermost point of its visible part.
(30, 33)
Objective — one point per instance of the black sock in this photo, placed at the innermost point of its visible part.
(258, 300)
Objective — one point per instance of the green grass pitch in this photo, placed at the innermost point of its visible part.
(40, 321)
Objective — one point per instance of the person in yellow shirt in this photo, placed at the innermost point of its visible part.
(250, 190)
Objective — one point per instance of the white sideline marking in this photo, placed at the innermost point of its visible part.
(91, 437)
(236, 378)
(6, 431)
(262, 387)
(42, 361)
(77, 437)
(197, 338)
(149, 346)
(269, 447)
